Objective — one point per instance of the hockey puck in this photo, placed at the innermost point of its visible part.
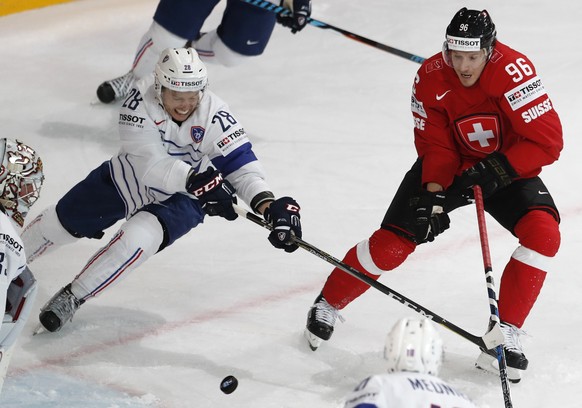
(229, 384)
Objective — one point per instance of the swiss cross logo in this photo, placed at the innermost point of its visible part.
(480, 133)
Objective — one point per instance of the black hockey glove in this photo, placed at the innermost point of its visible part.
(429, 220)
(300, 12)
(283, 215)
(492, 173)
(216, 195)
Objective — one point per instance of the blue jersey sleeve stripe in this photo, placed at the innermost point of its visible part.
(235, 160)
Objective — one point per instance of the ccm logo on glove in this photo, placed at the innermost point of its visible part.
(211, 185)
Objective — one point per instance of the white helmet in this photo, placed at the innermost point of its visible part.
(21, 178)
(414, 345)
(180, 69)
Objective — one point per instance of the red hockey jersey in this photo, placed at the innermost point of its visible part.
(507, 110)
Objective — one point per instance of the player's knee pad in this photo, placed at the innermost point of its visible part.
(383, 251)
(143, 230)
(44, 234)
(539, 231)
(212, 49)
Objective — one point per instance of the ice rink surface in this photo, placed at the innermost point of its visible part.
(330, 120)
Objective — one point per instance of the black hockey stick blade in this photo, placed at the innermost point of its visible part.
(489, 340)
(285, 12)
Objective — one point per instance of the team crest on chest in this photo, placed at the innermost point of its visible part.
(197, 133)
(480, 133)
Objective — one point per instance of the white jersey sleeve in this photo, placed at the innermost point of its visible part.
(411, 390)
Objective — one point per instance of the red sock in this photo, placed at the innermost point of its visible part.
(519, 289)
(522, 280)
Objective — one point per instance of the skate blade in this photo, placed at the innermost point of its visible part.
(490, 364)
(313, 341)
(39, 329)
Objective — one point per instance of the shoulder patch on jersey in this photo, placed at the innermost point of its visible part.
(197, 133)
(435, 65)
(231, 141)
(11, 243)
(524, 93)
(131, 120)
(480, 133)
(495, 56)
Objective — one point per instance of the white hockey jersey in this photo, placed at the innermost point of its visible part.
(157, 154)
(406, 390)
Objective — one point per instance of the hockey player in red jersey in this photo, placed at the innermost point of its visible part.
(482, 116)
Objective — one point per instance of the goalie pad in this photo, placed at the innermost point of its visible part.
(19, 302)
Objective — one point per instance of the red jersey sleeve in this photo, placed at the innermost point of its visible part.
(532, 123)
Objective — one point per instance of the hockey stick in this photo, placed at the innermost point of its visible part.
(282, 11)
(489, 340)
(494, 319)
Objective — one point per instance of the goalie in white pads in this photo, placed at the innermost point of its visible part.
(21, 178)
(413, 354)
(183, 154)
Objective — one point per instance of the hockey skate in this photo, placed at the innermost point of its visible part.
(514, 357)
(116, 88)
(59, 310)
(320, 321)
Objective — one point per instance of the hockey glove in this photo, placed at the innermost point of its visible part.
(283, 215)
(429, 219)
(300, 12)
(216, 195)
(492, 173)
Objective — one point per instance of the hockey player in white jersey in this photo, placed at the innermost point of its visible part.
(413, 355)
(21, 178)
(183, 155)
(244, 32)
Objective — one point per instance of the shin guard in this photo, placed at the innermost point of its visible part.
(138, 239)
(524, 275)
(383, 251)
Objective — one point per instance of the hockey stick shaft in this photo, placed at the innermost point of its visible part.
(282, 11)
(494, 319)
(488, 341)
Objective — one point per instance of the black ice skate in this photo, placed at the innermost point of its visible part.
(116, 88)
(59, 310)
(320, 321)
(515, 359)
